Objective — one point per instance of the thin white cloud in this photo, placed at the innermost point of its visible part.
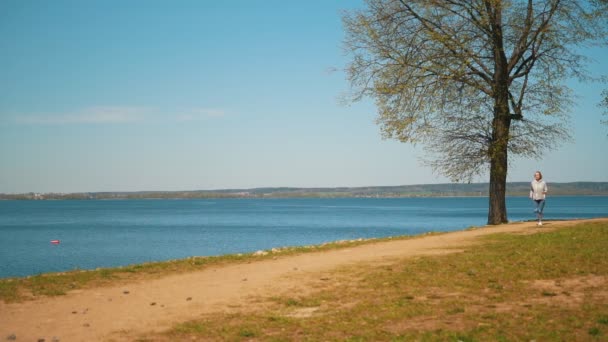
(114, 114)
(200, 114)
(119, 115)
(92, 115)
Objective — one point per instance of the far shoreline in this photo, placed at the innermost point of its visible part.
(514, 189)
(69, 198)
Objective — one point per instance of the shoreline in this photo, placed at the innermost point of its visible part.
(123, 309)
(276, 251)
(514, 188)
(19, 197)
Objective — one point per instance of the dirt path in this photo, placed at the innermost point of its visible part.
(115, 313)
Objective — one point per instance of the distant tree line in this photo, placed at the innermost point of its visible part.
(422, 190)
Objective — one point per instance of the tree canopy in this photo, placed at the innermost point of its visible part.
(474, 81)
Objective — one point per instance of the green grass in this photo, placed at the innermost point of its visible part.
(488, 293)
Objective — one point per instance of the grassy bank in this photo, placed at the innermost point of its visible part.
(56, 284)
(542, 287)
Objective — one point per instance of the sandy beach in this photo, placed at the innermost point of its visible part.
(119, 313)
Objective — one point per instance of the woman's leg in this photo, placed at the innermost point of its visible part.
(540, 206)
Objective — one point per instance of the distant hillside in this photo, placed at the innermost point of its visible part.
(421, 190)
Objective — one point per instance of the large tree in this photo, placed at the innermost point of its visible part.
(473, 81)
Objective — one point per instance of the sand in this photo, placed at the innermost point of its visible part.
(118, 313)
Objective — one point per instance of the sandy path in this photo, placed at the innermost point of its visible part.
(114, 313)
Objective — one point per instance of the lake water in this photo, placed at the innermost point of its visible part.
(107, 233)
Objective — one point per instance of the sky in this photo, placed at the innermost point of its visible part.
(201, 95)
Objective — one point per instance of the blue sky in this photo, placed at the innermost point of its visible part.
(186, 95)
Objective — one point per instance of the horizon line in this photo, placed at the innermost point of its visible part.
(283, 187)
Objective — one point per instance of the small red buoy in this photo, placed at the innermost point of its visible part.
(55, 242)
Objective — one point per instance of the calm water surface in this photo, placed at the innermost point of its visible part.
(108, 233)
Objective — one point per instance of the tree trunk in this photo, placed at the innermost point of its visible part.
(501, 123)
(497, 213)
